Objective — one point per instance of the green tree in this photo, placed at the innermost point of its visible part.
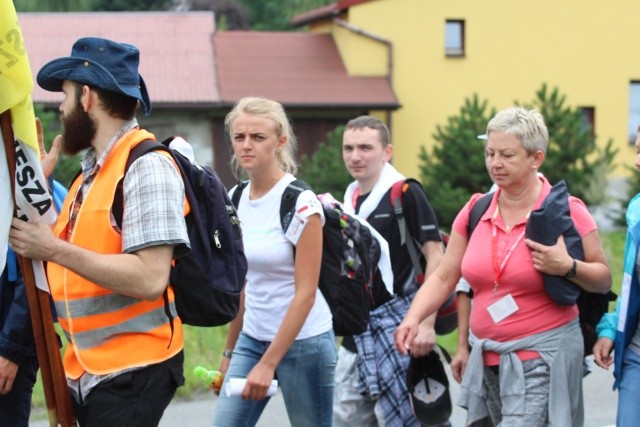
(573, 154)
(229, 14)
(52, 5)
(90, 5)
(275, 15)
(129, 5)
(455, 168)
(324, 171)
(633, 188)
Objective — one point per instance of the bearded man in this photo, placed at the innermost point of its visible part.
(110, 284)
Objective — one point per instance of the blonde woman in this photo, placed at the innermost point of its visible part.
(284, 328)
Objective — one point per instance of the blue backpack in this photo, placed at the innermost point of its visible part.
(208, 281)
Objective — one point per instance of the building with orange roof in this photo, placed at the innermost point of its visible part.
(194, 74)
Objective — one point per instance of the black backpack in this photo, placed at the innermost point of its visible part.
(208, 281)
(591, 305)
(447, 316)
(350, 255)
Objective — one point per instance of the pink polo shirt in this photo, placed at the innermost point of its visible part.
(536, 311)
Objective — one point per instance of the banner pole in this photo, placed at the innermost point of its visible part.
(56, 392)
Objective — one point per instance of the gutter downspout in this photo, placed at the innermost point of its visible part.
(388, 43)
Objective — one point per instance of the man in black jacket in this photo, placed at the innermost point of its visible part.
(18, 362)
(367, 151)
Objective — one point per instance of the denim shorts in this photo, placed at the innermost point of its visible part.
(305, 377)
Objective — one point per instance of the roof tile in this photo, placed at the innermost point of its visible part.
(300, 69)
(184, 62)
(176, 56)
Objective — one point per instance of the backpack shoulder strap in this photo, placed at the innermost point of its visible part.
(397, 194)
(138, 151)
(142, 148)
(398, 209)
(288, 202)
(478, 209)
(397, 202)
(238, 192)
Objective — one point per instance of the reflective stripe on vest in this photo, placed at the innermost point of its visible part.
(110, 304)
(141, 324)
(100, 304)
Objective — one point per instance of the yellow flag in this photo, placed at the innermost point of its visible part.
(15, 77)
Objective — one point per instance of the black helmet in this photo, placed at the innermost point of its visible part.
(429, 390)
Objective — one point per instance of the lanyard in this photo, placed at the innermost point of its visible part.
(498, 267)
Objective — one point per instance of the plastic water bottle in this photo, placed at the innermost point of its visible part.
(213, 378)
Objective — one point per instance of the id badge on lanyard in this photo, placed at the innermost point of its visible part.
(506, 305)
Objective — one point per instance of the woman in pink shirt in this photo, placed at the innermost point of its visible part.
(526, 364)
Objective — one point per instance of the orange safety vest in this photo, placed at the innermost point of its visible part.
(107, 332)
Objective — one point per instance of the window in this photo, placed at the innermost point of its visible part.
(454, 38)
(634, 110)
(588, 115)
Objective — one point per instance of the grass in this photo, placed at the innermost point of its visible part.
(203, 346)
(613, 244)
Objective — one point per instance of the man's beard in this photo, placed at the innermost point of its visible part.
(78, 130)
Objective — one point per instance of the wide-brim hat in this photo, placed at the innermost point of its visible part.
(101, 63)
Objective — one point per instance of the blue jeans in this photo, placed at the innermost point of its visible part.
(629, 390)
(305, 375)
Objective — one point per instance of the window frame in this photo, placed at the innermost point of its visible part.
(458, 51)
(588, 114)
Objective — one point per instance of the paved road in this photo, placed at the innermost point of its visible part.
(600, 407)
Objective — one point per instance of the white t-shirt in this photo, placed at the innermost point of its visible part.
(270, 279)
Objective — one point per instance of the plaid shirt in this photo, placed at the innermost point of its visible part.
(382, 371)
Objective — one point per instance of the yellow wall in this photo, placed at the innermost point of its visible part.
(363, 56)
(589, 49)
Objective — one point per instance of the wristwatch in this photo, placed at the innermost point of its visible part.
(227, 353)
(572, 271)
